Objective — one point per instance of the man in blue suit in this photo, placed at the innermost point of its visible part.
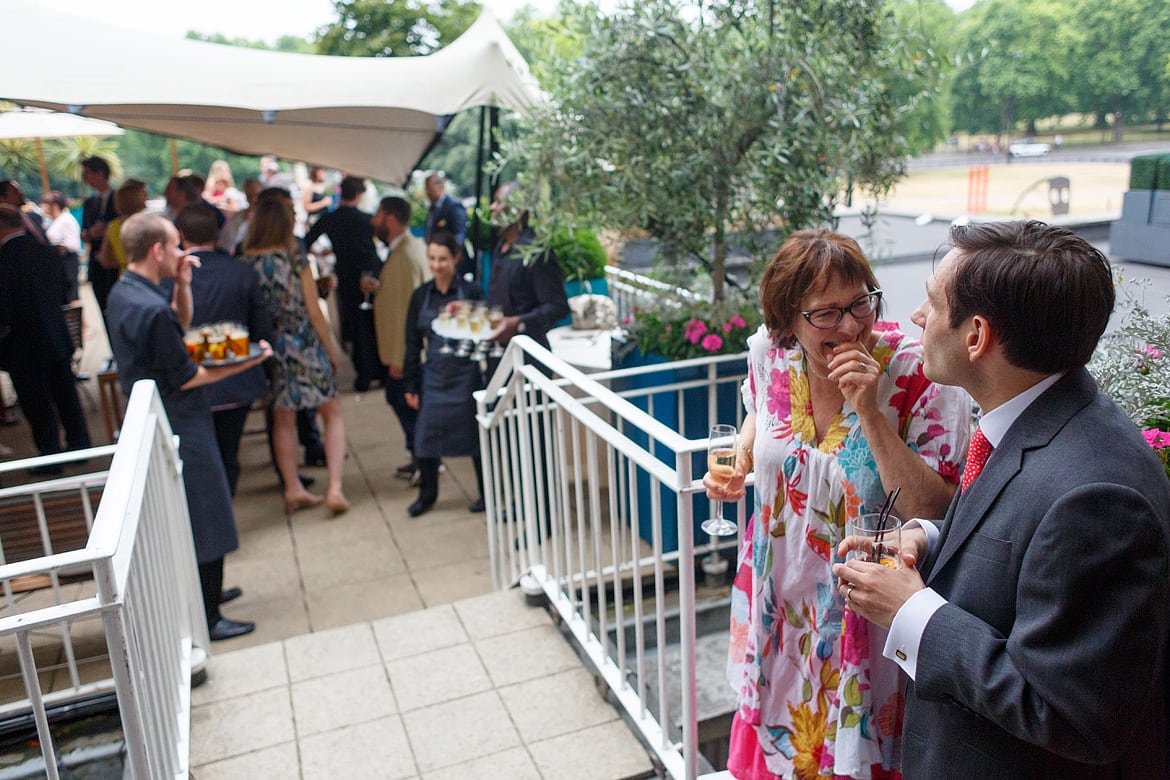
(447, 214)
(224, 289)
(1035, 629)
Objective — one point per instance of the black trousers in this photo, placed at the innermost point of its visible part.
(211, 584)
(428, 478)
(48, 398)
(407, 417)
(364, 350)
(229, 427)
(102, 280)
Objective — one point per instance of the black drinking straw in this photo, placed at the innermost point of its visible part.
(883, 517)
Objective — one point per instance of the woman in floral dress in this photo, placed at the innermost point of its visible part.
(838, 413)
(305, 360)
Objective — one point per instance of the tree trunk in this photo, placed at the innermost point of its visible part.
(719, 258)
(1118, 120)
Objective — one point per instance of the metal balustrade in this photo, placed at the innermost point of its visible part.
(571, 468)
(140, 583)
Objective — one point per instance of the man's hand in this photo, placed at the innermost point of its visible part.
(395, 372)
(876, 592)
(187, 262)
(369, 284)
(508, 328)
(411, 400)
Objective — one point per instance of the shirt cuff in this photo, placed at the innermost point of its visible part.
(907, 628)
(930, 529)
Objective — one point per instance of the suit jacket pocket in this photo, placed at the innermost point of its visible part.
(989, 548)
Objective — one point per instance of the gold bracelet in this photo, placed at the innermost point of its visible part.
(751, 458)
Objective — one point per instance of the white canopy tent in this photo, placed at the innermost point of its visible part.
(370, 116)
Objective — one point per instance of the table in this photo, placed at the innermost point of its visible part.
(587, 350)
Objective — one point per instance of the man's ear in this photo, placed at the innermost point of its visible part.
(980, 338)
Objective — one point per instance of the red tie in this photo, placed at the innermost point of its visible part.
(977, 455)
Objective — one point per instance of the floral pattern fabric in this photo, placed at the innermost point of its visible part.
(809, 673)
(302, 376)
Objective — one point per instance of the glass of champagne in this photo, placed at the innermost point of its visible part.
(365, 305)
(721, 456)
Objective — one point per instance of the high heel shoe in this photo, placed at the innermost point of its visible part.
(301, 502)
(337, 505)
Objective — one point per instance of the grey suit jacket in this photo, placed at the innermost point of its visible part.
(1049, 659)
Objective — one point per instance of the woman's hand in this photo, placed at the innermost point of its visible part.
(856, 373)
(411, 400)
(730, 490)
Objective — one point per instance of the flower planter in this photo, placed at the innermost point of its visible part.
(692, 420)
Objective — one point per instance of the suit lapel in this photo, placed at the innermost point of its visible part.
(1034, 428)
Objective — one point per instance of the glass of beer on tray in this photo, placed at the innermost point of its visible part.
(217, 346)
(238, 341)
(193, 340)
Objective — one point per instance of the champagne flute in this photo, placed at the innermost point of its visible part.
(721, 456)
(365, 305)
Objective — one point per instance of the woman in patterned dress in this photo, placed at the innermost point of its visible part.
(838, 413)
(305, 359)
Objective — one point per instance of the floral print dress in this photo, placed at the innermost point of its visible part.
(809, 673)
(302, 376)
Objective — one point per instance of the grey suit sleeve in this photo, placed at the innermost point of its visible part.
(1088, 620)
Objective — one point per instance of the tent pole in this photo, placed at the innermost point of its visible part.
(479, 162)
(174, 157)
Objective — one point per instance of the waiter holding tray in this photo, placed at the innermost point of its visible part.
(146, 333)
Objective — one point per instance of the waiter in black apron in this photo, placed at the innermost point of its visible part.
(441, 387)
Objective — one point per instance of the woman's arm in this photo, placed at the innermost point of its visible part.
(313, 307)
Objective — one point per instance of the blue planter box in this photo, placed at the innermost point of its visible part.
(694, 423)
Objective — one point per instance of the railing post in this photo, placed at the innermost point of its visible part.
(686, 606)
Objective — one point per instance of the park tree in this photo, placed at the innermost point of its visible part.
(394, 28)
(1013, 64)
(931, 24)
(1121, 59)
(696, 122)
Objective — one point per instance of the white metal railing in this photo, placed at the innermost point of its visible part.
(139, 557)
(631, 292)
(573, 465)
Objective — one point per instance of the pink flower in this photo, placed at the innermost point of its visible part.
(669, 328)
(727, 327)
(1153, 352)
(737, 321)
(712, 343)
(1156, 438)
(695, 330)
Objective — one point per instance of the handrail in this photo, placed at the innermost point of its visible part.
(583, 485)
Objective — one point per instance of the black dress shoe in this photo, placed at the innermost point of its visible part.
(418, 507)
(231, 594)
(229, 629)
(406, 471)
(314, 458)
(477, 506)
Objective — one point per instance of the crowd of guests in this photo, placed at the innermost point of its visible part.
(221, 254)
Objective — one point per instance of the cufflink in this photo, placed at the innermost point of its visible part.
(901, 655)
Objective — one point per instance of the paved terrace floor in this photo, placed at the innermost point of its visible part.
(380, 649)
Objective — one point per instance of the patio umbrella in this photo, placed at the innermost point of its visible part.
(38, 123)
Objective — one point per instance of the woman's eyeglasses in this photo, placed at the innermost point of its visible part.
(830, 316)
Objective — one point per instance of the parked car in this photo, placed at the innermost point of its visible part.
(1028, 148)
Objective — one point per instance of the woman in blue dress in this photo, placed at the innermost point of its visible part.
(306, 360)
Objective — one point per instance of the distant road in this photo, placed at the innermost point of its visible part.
(1105, 153)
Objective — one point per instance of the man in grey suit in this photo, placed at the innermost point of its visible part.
(1035, 631)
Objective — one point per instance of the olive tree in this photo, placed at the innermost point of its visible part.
(693, 122)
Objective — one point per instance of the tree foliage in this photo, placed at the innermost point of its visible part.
(394, 28)
(691, 122)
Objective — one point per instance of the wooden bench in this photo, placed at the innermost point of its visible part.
(20, 533)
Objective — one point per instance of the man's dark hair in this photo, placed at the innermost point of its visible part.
(197, 224)
(96, 165)
(8, 185)
(352, 187)
(397, 207)
(1046, 291)
(10, 217)
(56, 198)
(191, 188)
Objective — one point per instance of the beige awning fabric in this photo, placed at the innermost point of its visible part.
(370, 116)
